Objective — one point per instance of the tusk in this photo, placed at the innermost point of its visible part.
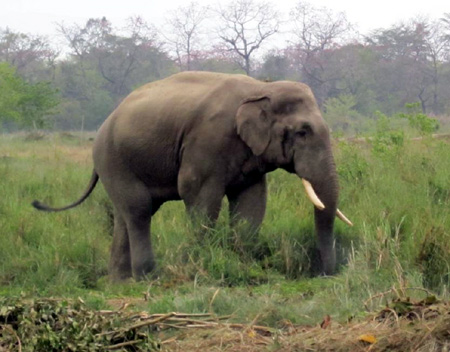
(343, 218)
(318, 203)
(312, 195)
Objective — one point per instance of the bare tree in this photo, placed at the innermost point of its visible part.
(243, 27)
(28, 53)
(317, 32)
(437, 47)
(184, 34)
(445, 22)
(416, 48)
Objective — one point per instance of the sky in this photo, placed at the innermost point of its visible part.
(41, 16)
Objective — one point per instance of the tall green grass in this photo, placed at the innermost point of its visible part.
(398, 197)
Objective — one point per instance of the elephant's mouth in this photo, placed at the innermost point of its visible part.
(319, 204)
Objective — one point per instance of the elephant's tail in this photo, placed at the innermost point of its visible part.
(89, 189)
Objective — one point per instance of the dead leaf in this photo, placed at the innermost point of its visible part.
(326, 322)
(367, 338)
(251, 333)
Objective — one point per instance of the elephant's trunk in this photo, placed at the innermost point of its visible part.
(325, 188)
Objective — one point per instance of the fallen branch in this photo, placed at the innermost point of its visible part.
(150, 322)
(123, 344)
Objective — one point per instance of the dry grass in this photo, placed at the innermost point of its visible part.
(52, 151)
(424, 328)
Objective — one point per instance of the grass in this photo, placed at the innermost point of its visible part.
(398, 197)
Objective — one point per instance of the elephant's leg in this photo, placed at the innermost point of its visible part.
(248, 204)
(247, 208)
(120, 260)
(134, 203)
(203, 198)
(204, 207)
(142, 258)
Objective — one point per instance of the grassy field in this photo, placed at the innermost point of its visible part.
(397, 193)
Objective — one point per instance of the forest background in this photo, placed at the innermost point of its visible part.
(74, 80)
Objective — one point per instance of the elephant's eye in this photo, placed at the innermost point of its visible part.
(304, 131)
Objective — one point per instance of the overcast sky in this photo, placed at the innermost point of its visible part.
(40, 16)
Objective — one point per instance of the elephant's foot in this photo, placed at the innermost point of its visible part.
(119, 269)
(145, 269)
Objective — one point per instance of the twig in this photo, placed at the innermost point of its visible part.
(108, 312)
(138, 325)
(19, 344)
(395, 315)
(150, 322)
(174, 326)
(193, 321)
(173, 339)
(254, 327)
(196, 326)
(212, 299)
(123, 344)
(180, 315)
(253, 321)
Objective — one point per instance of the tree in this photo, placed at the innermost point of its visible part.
(184, 34)
(445, 21)
(412, 53)
(104, 65)
(32, 55)
(317, 33)
(276, 66)
(25, 103)
(10, 93)
(438, 47)
(122, 59)
(243, 27)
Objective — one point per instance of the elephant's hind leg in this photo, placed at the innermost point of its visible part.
(137, 216)
(120, 260)
(132, 250)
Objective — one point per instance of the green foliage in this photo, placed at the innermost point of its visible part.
(400, 238)
(341, 115)
(418, 120)
(388, 141)
(62, 325)
(354, 167)
(276, 67)
(10, 92)
(25, 103)
(37, 103)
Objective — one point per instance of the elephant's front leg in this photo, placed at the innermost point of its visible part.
(201, 195)
(247, 209)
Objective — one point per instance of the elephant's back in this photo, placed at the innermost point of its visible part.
(156, 120)
(181, 101)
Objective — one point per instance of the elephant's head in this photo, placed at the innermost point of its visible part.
(282, 124)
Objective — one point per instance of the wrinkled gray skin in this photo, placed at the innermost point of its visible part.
(198, 137)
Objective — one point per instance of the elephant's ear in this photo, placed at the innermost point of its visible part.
(253, 124)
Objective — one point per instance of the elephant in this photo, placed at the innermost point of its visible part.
(201, 136)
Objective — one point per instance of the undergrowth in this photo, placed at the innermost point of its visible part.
(395, 190)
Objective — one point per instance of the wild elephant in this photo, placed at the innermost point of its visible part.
(200, 136)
